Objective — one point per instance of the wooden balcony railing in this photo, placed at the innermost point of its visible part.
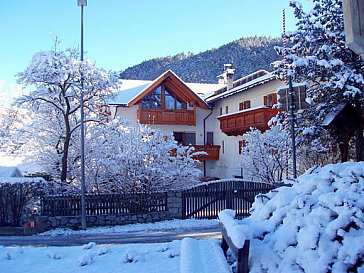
(213, 152)
(179, 117)
(241, 122)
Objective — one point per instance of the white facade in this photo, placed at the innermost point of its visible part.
(223, 103)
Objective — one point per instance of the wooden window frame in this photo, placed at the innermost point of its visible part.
(270, 99)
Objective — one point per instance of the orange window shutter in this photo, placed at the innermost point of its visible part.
(274, 100)
(241, 106)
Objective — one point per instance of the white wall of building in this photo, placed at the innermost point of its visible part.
(229, 164)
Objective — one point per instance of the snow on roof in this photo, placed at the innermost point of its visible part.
(131, 88)
(333, 114)
(258, 81)
(128, 90)
(13, 180)
(9, 171)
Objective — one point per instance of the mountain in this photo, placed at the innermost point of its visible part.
(246, 54)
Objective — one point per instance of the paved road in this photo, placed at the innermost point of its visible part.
(111, 238)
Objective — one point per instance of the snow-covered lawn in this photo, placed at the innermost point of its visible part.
(158, 258)
(140, 258)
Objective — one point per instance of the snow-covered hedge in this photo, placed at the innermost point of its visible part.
(317, 225)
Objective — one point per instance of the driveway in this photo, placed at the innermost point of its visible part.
(112, 238)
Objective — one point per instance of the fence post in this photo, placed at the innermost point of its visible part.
(174, 204)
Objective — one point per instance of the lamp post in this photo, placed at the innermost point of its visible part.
(82, 3)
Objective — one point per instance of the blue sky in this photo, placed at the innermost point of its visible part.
(123, 33)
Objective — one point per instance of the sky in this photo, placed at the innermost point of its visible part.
(122, 33)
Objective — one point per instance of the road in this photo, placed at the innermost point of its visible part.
(111, 238)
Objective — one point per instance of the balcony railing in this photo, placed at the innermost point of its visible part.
(213, 152)
(179, 117)
(241, 122)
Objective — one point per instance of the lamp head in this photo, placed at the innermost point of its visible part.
(82, 2)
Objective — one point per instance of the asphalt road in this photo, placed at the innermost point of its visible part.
(111, 238)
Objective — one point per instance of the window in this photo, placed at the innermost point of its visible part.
(244, 105)
(220, 111)
(242, 144)
(210, 138)
(190, 138)
(270, 99)
(153, 100)
(226, 109)
(162, 98)
(185, 138)
(223, 146)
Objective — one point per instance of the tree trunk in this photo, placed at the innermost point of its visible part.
(359, 145)
(66, 145)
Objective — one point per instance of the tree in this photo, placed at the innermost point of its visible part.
(265, 156)
(126, 158)
(55, 79)
(317, 54)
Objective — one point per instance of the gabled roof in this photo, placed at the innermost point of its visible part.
(135, 91)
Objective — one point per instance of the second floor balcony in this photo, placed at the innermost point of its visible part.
(173, 117)
(240, 122)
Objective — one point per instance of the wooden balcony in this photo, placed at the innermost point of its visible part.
(179, 117)
(240, 123)
(213, 152)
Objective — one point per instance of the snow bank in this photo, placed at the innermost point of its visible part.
(314, 226)
(202, 256)
(238, 233)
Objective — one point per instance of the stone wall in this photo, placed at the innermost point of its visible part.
(174, 211)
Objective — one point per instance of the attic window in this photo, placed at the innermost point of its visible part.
(153, 100)
(162, 98)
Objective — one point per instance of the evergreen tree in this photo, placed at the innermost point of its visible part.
(317, 54)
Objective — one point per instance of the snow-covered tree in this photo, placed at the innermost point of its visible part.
(317, 54)
(265, 156)
(55, 80)
(126, 158)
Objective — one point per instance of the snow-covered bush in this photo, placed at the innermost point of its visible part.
(121, 157)
(316, 225)
(265, 156)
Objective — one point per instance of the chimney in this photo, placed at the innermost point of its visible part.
(227, 77)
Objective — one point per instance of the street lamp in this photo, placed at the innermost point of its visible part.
(82, 3)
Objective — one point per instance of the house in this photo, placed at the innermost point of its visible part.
(211, 117)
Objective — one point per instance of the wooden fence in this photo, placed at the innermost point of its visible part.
(102, 204)
(207, 200)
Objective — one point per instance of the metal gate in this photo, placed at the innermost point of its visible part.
(207, 200)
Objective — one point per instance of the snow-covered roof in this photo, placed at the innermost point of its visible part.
(258, 81)
(333, 114)
(130, 89)
(10, 171)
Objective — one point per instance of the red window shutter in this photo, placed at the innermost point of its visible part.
(246, 104)
(274, 99)
(241, 106)
(265, 98)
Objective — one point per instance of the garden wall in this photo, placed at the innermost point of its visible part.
(173, 211)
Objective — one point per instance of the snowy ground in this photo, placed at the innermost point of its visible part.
(158, 258)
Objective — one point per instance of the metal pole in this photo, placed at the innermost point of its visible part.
(83, 186)
(292, 121)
